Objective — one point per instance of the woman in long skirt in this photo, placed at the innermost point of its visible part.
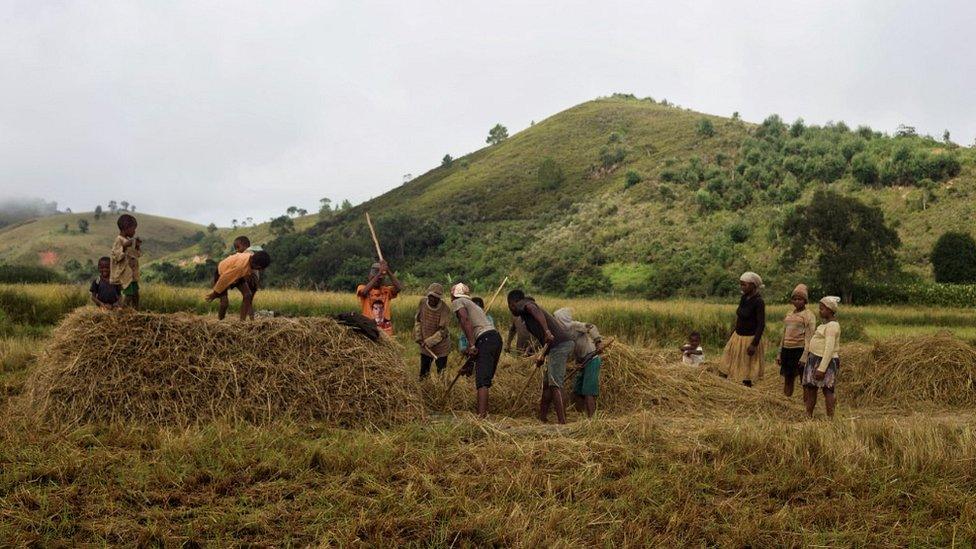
(743, 358)
(823, 360)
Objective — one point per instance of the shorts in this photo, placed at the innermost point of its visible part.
(132, 290)
(251, 280)
(789, 362)
(556, 363)
(489, 347)
(588, 380)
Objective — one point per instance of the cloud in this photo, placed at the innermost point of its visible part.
(213, 111)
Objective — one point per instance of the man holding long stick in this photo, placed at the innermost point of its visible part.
(558, 345)
(375, 296)
(487, 347)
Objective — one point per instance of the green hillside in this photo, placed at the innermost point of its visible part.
(45, 241)
(616, 195)
(638, 197)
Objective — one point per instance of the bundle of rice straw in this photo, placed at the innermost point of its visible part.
(182, 369)
(631, 379)
(937, 369)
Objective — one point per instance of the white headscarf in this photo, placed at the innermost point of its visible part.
(460, 290)
(564, 317)
(832, 302)
(753, 278)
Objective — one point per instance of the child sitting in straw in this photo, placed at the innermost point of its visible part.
(823, 361)
(242, 244)
(234, 272)
(691, 352)
(798, 328)
(124, 267)
(104, 294)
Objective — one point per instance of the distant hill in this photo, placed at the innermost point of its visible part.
(618, 194)
(631, 195)
(55, 240)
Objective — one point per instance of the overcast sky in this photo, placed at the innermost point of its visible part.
(219, 110)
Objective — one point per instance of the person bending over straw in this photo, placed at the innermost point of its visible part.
(587, 345)
(487, 348)
(430, 330)
(742, 359)
(798, 328)
(234, 271)
(558, 346)
(823, 361)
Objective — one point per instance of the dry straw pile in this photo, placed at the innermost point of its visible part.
(183, 369)
(631, 379)
(937, 369)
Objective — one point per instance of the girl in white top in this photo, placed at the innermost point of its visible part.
(823, 360)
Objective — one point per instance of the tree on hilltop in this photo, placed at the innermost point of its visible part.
(497, 134)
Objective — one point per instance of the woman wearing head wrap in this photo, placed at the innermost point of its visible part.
(823, 360)
(742, 359)
(798, 328)
(430, 330)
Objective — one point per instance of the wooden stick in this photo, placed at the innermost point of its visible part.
(376, 241)
(528, 381)
(498, 291)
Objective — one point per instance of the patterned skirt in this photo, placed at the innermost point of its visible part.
(830, 376)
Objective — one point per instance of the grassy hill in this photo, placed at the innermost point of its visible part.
(628, 195)
(616, 195)
(45, 240)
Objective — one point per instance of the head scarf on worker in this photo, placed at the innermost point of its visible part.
(832, 302)
(801, 291)
(460, 290)
(753, 279)
(564, 317)
(435, 290)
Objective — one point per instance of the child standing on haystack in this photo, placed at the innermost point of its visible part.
(798, 328)
(823, 360)
(124, 266)
(104, 294)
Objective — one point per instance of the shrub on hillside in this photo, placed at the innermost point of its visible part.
(550, 175)
(954, 258)
(632, 179)
(28, 274)
(705, 128)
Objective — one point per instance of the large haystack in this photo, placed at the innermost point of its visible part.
(183, 369)
(630, 380)
(937, 369)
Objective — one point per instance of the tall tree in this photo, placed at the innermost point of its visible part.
(125, 205)
(849, 240)
(954, 258)
(447, 161)
(497, 134)
(282, 225)
(113, 206)
(98, 212)
(211, 228)
(292, 210)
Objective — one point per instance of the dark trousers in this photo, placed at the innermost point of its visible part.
(425, 364)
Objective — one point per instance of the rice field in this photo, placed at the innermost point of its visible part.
(689, 463)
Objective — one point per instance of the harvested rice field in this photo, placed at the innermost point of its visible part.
(169, 428)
